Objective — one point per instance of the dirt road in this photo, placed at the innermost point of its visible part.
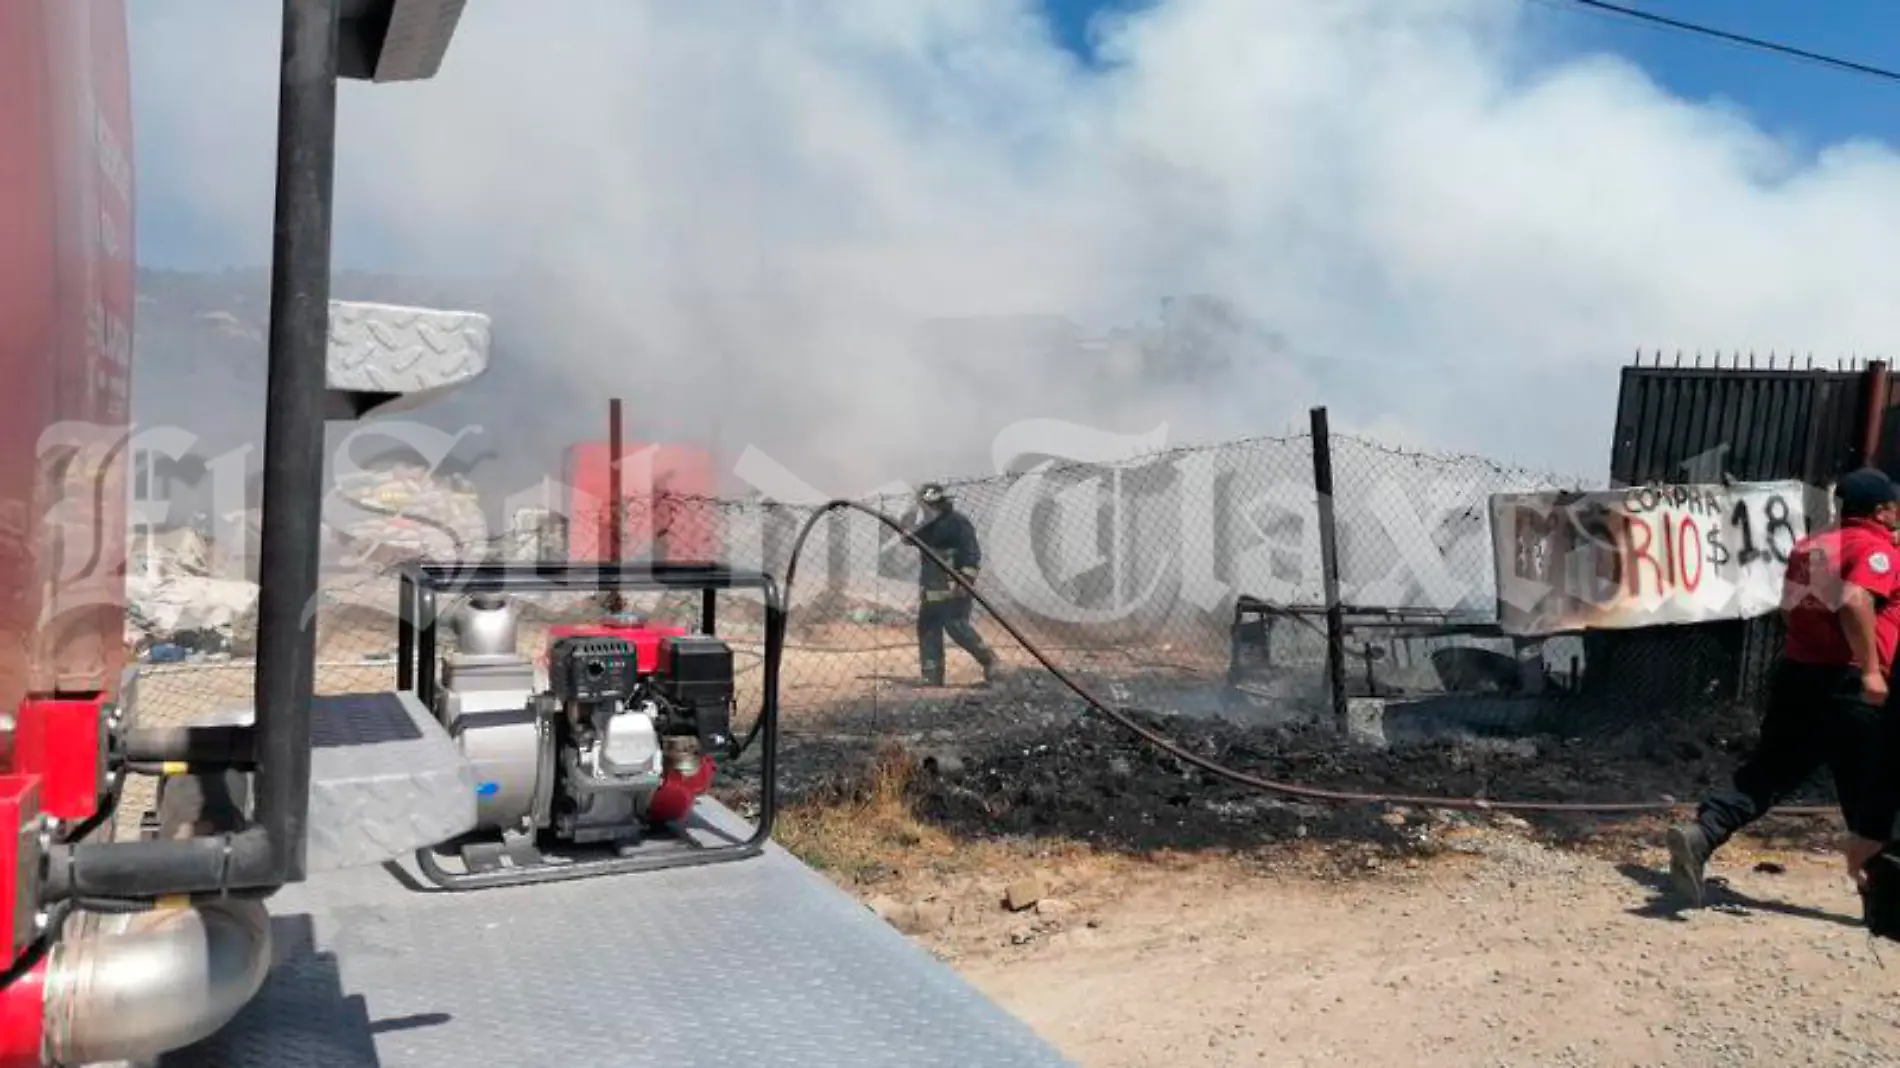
(1504, 952)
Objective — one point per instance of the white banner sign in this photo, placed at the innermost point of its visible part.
(1646, 556)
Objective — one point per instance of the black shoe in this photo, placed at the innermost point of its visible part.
(989, 673)
(1688, 858)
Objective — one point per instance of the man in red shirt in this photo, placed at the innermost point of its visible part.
(1826, 693)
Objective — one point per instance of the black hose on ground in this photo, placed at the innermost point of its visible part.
(1212, 767)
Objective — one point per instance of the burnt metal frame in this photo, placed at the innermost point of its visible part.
(422, 586)
(1253, 621)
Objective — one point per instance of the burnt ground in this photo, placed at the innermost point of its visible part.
(1029, 761)
(1371, 934)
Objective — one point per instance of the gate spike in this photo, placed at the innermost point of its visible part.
(1678, 359)
(1751, 359)
(1698, 359)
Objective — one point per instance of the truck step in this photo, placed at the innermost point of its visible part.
(385, 779)
(386, 358)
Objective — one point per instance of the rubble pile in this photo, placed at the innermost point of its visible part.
(404, 512)
(176, 609)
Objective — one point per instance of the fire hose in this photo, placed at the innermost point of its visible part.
(1212, 767)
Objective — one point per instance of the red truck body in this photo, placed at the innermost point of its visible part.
(67, 281)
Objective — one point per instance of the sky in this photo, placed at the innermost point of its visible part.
(1805, 103)
(1461, 215)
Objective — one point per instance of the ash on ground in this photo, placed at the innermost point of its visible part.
(1029, 761)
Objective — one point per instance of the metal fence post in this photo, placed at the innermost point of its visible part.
(1875, 392)
(1329, 567)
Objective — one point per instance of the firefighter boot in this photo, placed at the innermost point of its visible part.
(1689, 852)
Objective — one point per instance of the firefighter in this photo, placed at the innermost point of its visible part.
(943, 605)
(1828, 689)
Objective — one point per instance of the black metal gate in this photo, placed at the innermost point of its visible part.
(1698, 424)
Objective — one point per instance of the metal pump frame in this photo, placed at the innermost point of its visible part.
(423, 585)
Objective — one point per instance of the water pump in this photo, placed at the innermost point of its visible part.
(610, 752)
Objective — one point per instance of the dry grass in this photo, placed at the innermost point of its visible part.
(863, 833)
(853, 830)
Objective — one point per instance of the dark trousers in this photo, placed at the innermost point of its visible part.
(1815, 717)
(952, 617)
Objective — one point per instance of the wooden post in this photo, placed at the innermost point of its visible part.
(616, 501)
(1329, 566)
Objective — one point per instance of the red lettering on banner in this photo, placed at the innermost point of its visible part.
(1669, 552)
(1685, 554)
(1641, 551)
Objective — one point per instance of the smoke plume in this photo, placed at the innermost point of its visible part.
(752, 218)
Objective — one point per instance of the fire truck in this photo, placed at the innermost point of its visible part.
(511, 857)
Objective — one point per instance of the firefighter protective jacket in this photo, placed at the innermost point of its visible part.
(953, 537)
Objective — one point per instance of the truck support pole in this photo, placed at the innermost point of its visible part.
(294, 428)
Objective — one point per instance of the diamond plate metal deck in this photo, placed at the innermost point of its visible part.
(385, 779)
(760, 962)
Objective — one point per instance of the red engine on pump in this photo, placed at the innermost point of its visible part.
(611, 749)
(681, 673)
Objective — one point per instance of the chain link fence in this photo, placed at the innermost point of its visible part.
(1189, 581)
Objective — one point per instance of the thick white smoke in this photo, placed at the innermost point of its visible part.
(750, 206)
